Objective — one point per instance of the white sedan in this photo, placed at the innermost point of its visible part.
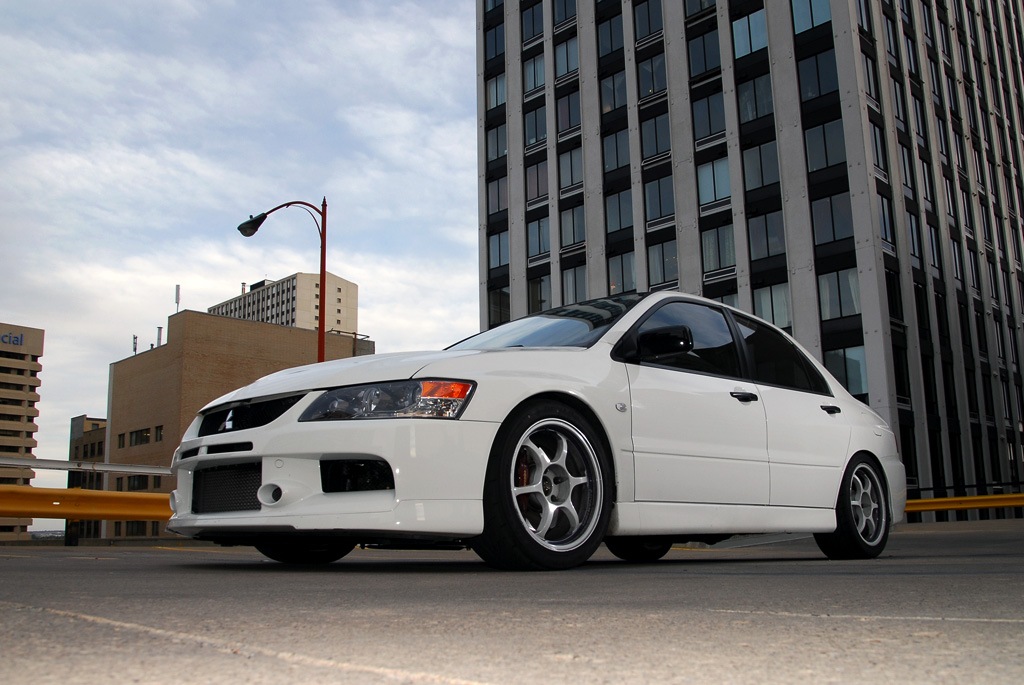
(639, 421)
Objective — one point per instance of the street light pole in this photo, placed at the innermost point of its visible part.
(249, 227)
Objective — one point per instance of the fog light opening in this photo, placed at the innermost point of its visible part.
(269, 494)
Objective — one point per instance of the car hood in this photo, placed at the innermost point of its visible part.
(352, 371)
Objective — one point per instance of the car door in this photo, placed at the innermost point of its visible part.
(808, 435)
(698, 428)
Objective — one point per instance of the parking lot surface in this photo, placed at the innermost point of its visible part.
(945, 603)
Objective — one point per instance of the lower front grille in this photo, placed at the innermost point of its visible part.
(231, 487)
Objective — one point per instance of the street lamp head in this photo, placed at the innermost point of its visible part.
(248, 228)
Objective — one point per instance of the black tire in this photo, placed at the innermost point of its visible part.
(548, 492)
(638, 549)
(306, 552)
(862, 513)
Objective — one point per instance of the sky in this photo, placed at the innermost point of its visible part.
(135, 136)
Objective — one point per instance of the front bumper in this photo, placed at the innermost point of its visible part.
(438, 467)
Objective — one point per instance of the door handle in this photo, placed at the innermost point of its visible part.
(830, 409)
(744, 396)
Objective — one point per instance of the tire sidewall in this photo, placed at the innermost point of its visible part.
(846, 525)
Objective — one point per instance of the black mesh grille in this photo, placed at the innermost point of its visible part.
(355, 475)
(225, 419)
(226, 488)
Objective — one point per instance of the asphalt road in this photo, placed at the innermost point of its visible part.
(944, 604)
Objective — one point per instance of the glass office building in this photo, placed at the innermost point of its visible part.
(848, 169)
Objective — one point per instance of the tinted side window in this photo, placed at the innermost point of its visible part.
(714, 350)
(777, 361)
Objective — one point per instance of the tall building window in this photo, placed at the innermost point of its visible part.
(609, 35)
(574, 228)
(621, 278)
(887, 228)
(662, 263)
(564, 9)
(651, 76)
(616, 150)
(647, 18)
(494, 41)
(537, 180)
(767, 235)
(496, 91)
(713, 181)
(749, 34)
(878, 147)
(567, 57)
(838, 294)
(658, 199)
(499, 306)
(772, 304)
(704, 53)
(533, 21)
(618, 212)
(613, 92)
(574, 284)
(497, 195)
(697, 6)
(832, 218)
(497, 249)
(538, 237)
(760, 166)
(718, 248)
(654, 136)
(818, 76)
(708, 116)
(497, 142)
(570, 168)
(810, 13)
(754, 98)
(899, 104)
(533, 73)
(870, 78)
(539, 293)
(825, 145)
(568, 112)
(535, 126)
(849, 366)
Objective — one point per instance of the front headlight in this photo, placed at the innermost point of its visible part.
(437, 399)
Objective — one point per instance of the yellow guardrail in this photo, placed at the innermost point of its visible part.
(962, 503)
(21, 501)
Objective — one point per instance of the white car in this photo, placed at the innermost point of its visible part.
(636, 420)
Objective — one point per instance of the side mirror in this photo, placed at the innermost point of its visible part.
(665, 343)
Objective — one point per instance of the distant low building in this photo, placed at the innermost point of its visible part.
(295, 301)
(88, 442)
(21, 348)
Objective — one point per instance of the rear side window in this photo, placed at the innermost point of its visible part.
(714, 350)
(777, 361)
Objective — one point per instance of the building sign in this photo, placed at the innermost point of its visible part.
(12, 339)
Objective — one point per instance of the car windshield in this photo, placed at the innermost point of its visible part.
(576, 325)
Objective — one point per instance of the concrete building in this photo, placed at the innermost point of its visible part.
(848, 169)
(154, 395)
(21, 348)
(295, 301)
(87, 444)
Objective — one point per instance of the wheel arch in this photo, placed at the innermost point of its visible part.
(883, 474)
(578, 405)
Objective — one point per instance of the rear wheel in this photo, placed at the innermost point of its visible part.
(862, 514)
(638, 549)
(548, 492)
(306, 552)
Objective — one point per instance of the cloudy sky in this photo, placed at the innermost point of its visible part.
(135, 136)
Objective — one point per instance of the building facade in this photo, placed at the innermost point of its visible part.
(153, 396)
(295, 301)
(848, 169)
(87, 444)
(21, 348)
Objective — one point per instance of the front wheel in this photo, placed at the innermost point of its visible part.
(306, 552)
(862, 514)
(548, 492)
